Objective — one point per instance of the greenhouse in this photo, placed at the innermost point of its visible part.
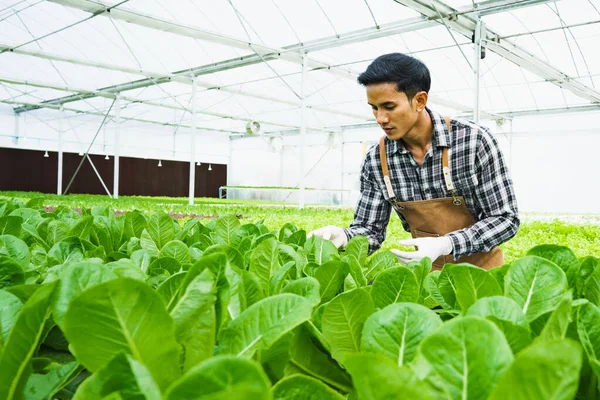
(195, 200)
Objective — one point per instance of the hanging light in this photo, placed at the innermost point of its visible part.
(80, 153)
(46, 154)
(210, 167)
(107, 157)
(198, 164)
(159, 163)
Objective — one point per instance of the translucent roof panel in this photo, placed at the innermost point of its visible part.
(561, 34)
(549, 15)
(246, 56)
(27, 93)
(23, 21)
(462, 3)
(132, 46)
(254, 72)
(175, 91)
(26, 68)
(276, 23)
(413, 43)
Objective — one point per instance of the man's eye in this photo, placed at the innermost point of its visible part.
(389, 108)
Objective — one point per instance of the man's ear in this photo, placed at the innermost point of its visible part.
(420, 100)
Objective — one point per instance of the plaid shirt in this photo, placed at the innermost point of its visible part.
(478, 171)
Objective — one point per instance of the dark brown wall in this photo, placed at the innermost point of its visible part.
(29, 170)
(86, 180)
(144, 177)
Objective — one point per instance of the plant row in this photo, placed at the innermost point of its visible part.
(94, 306)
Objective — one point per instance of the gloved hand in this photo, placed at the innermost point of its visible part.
(431, 247)
(335, 234)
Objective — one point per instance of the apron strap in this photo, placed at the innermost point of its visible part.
(384, 169)
(386, 172)
(445, 164)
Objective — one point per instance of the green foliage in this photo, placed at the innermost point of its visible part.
(23, 341)
(222, 377)
(343, 321)
(395, 285)
(138, 305)
(536, 284)
(195, 321)
(300, 387)
(506, 314)
(123, 377)
(468, 355)
(376, 377)
(397, 330)
(263, 323)
(123, 316)
(471, 284)
(545, 370)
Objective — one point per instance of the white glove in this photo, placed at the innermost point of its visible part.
(431, 247)
(335, 234)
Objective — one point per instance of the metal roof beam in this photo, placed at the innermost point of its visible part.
(290, 53)
(261, 50)
(87, 112)
(495, 116)
(497, 6)
(549, 111)
(157, 77)
(361, 35)
(96, 64)
(185, 76)
(562, 27)
(528, 61)
(465, 25)
(81, 93)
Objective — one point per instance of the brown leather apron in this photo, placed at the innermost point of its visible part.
(438, 217)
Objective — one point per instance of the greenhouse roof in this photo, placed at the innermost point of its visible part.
(246, 58)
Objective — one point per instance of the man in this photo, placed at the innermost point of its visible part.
(446, 179)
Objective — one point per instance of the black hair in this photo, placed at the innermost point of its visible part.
(409, 74)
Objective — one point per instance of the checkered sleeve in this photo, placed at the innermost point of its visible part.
(495, 197)
(373, 210)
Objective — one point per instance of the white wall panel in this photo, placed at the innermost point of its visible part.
(552, 161)
(39, 130)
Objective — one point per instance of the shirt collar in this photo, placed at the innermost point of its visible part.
(392, 146)
(441, 136)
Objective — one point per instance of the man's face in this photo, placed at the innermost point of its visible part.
(392, 110)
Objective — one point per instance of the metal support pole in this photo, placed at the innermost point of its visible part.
(104, 140)
(342, 168)
(281, 167)
(193, 145)
(281, 163)
(24, 130)
(90, 146)
(510, 148)
(16, 137)
(302, 131)
(59, 182)
(98, 175)
(479, 35)
(117, 146)
(229, 164)
(175, 128)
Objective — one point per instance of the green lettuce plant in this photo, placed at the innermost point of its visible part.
(97, 306)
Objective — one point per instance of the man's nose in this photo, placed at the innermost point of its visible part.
(382, 117)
